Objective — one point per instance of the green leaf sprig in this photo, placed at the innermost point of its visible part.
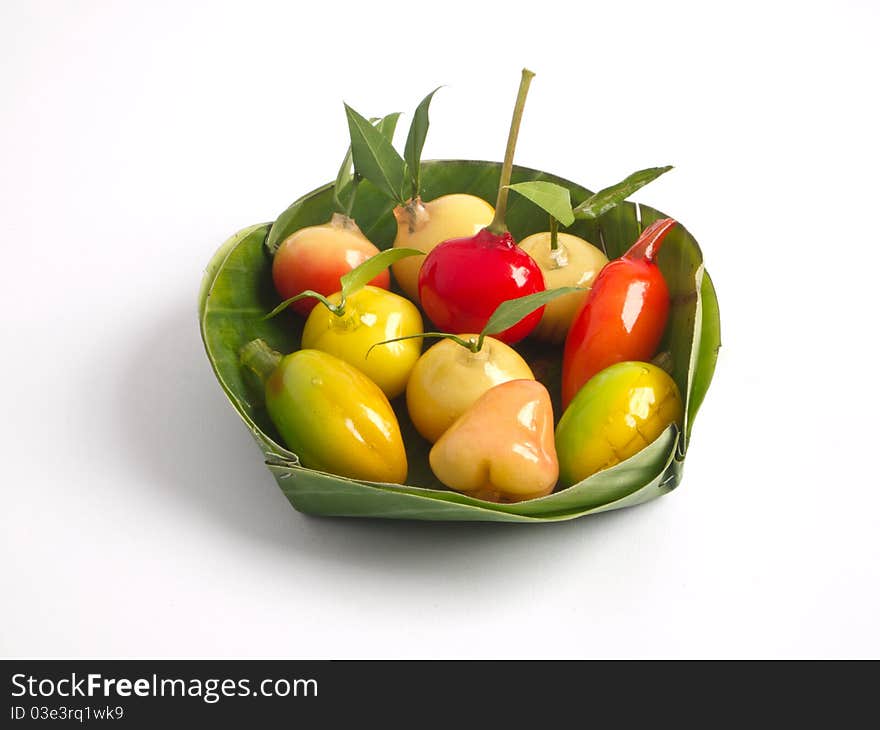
(609, 197)
(352, 281)
(550, 197)
(505, 316)
(556, 200)
(415, 142)
(374, 156)
(345, 186)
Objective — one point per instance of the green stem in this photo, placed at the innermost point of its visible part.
(554, 233)
(337, 309)
(260, 358)
(498, 226)
(473, 345)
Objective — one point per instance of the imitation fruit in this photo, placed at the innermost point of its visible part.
(463, 280)
(329, 413)
(616, 414)
(566, 259)
(316, 257)
(351, 321)
(624, 316)
(420, 224)
(501, 449)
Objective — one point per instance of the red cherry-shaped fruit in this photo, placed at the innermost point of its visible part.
(463, 280)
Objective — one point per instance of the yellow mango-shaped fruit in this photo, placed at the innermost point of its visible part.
(615, 415)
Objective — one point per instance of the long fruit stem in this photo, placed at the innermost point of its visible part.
(498, 226)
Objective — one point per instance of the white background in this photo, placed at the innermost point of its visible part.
(137, 518)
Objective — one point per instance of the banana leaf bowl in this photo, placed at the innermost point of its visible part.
(237, 291)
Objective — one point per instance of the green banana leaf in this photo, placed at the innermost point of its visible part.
(237, 291)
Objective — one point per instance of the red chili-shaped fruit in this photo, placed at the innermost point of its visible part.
(623, 317)
(463, 280)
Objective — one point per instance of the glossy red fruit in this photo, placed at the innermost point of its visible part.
(623, 317)
(463, 280)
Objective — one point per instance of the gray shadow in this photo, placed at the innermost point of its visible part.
(173, 422)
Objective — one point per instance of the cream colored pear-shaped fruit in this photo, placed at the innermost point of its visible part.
(574, 262)
(423, 225)
(449, 378)
(501, 449)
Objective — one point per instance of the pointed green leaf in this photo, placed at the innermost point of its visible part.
(361, 275)
(606, 199)
(387, 125)
(513, 310)
(375, 158)
(415, 141)
(550, 197)
(344, 187)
